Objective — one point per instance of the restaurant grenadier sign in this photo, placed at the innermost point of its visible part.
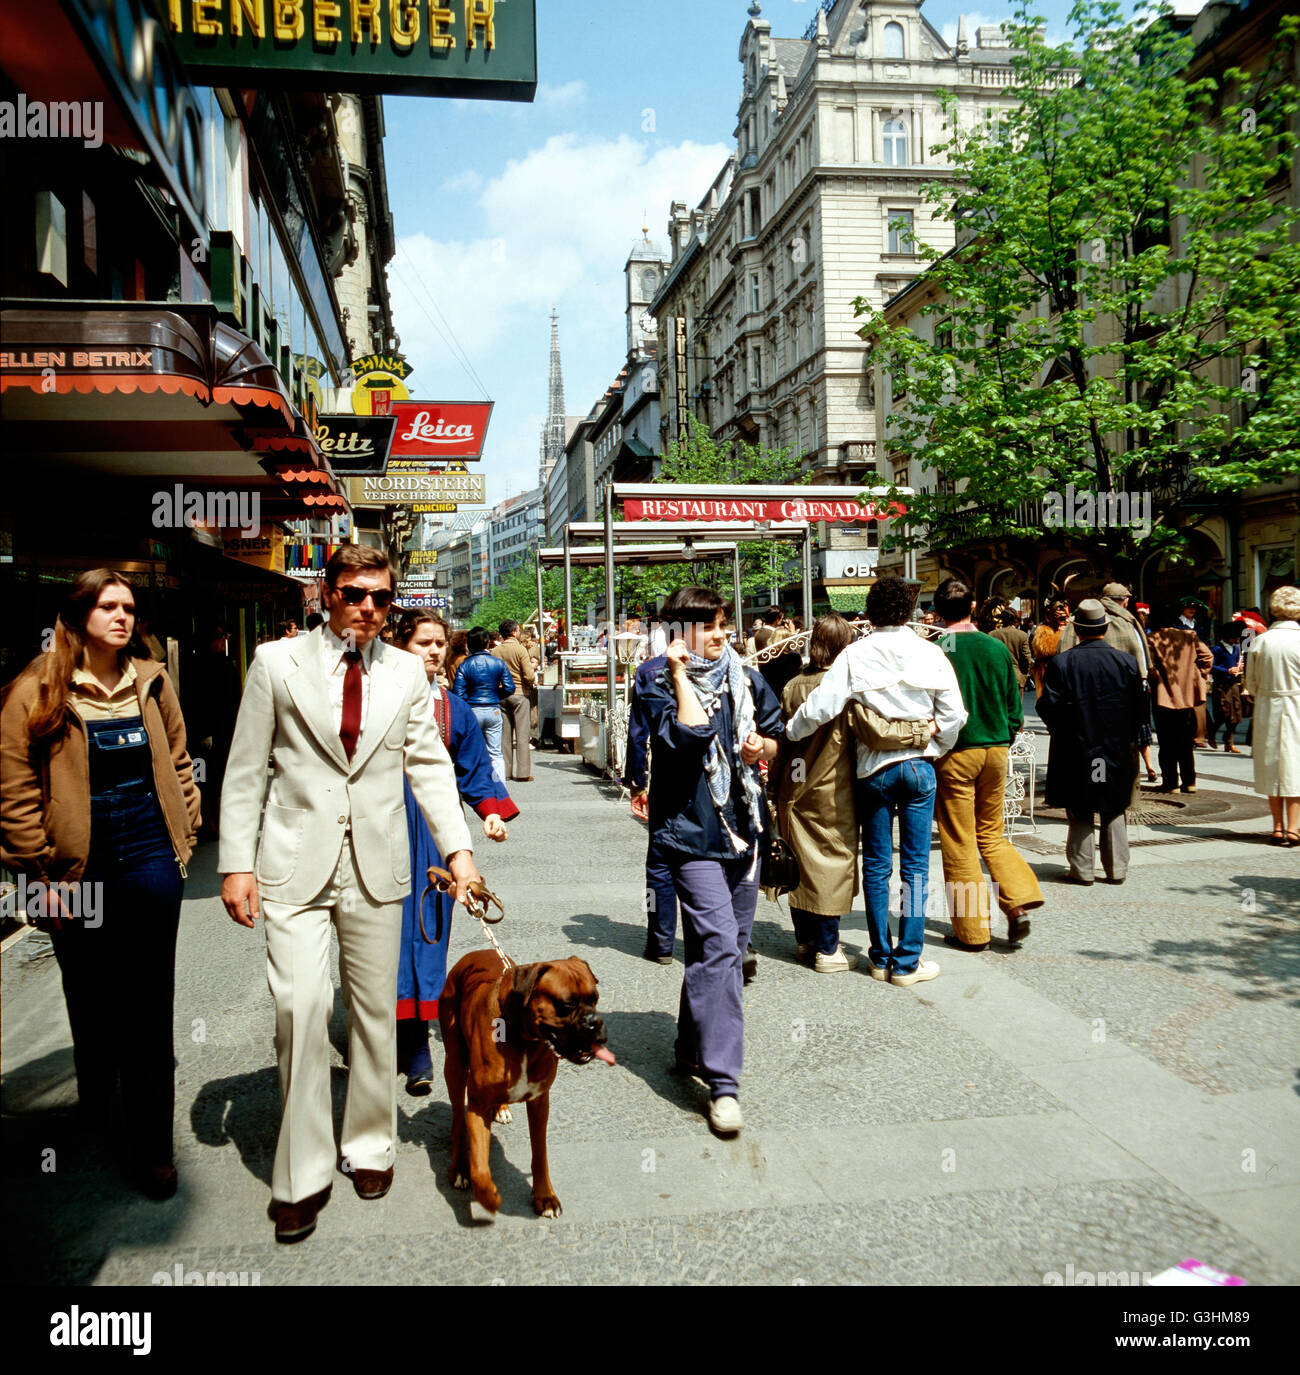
(717, 508)
(484, 49)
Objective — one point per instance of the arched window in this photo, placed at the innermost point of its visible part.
(893, 40)
(894, 137)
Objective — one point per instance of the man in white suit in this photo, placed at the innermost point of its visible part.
(342, 717)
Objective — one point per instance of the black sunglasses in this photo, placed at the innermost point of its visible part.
(354, 596)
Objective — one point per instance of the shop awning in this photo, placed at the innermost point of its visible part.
(157, 390)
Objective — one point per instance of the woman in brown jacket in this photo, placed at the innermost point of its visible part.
(98, 812)
(813, 786)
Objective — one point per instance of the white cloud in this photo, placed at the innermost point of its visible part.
(561, 97)
(467, 181)
(556, 227)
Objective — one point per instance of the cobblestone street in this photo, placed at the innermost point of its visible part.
(1116, 1096)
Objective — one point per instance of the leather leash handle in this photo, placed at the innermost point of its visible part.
(478, 905)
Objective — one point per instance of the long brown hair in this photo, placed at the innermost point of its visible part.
(831, 635)
(68, 649)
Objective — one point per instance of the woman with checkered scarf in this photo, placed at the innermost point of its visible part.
(710, 720)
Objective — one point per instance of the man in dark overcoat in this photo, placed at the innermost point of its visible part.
(1093, 705)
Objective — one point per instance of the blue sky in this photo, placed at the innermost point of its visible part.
(501, 209)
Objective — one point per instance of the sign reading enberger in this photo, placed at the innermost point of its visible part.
(397, 489)
(484, 49)
(430, 432)
(704, 509)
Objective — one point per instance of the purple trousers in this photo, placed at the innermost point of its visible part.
(718, 899)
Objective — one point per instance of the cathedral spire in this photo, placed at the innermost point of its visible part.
(553, 431)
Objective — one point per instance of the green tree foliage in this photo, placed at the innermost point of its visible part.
(1122, 309)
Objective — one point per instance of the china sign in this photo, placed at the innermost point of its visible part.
(401, 489)
(431, 432)
(729, 509)
(473, 49)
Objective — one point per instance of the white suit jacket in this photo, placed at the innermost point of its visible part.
(315, 793)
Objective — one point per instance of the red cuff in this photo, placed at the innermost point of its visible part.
(408, 1008)
(497, 806)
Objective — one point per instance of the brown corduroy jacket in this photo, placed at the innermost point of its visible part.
(45, 785)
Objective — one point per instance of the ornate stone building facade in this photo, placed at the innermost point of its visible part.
(757, 333)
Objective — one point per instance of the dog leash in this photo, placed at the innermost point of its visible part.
(478, 904)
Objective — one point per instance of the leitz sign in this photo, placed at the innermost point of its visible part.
(355, 443)
(485, 49)
(431, 432)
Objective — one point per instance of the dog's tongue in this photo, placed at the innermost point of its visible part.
(603, 1053)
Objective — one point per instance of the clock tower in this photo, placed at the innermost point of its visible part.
(646, 267)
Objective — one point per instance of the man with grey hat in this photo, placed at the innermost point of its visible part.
(1093, 705)
(1122, 629)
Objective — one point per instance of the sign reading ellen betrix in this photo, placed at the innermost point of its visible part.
(484, 49)
(401, 489)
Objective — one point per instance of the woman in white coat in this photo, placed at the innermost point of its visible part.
(1273, 681)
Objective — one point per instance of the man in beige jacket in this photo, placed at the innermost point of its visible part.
(342, 716)
(517, 709)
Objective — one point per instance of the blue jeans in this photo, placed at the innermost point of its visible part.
(905, 790)
(660, 902)
(119, 975)
(718, 899)
(821, 932)
(489, 720)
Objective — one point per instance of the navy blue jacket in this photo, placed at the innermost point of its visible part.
(483, 680)
(682, 814)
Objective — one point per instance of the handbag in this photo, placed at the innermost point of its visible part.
(778, 868)
(879, 733)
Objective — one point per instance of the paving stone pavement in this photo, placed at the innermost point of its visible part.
(1117, 1095)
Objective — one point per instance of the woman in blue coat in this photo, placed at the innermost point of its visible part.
(709, 720)
(422, 968)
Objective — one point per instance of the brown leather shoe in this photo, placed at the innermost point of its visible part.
(1017, 925)
(297, 1221)
(372, 1184)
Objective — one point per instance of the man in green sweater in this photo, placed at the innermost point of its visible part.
(972, 781)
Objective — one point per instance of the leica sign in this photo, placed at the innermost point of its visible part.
(434, 431)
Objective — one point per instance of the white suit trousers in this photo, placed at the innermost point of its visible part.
(298, 972)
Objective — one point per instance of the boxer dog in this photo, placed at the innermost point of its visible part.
(503, 1034)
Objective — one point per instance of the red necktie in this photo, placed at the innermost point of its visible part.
(350, 726)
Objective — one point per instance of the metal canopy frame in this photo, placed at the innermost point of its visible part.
(650, 552)
(620, 491)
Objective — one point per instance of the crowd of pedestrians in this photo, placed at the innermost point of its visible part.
(374, 745)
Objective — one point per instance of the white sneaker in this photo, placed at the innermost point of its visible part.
(926, 970)
(724, 1116)
(879, 972)
(837, 963)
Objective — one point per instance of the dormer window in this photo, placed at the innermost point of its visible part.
(893, 40)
